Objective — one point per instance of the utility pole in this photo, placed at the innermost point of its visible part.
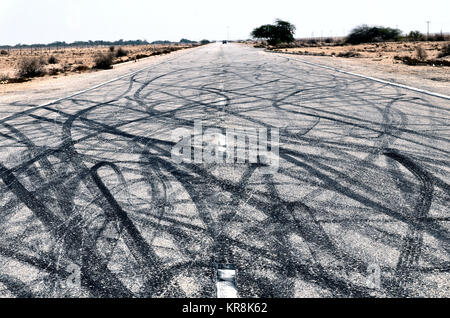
(428, 29)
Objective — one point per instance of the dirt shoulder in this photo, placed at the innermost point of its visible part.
(19, 65)
(378, 60)
(46, 89)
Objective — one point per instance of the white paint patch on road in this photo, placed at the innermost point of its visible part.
(226, 282)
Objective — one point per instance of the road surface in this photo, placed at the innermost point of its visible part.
(94, 205)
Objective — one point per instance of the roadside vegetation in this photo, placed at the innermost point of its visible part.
(379, 43)
(103, 61)
(30, 67)
(121, 52)
(282, 32)
(367, 34)
(20, 65)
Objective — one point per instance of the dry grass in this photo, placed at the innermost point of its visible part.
(421, 53)
(73, 60)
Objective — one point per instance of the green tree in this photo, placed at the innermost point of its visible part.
(274, 34)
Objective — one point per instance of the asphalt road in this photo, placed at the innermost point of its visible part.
(359, 206)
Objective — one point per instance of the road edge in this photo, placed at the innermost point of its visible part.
(411, 88)
(186, 51)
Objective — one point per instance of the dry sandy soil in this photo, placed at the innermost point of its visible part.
(72, 60)
(379, 52)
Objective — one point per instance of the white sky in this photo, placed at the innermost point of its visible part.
(44, 21)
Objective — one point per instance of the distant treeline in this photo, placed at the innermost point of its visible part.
(63, 44)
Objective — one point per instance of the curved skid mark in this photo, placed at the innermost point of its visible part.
(413, 241)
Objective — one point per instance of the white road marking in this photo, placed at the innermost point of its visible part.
(226, 282)
(419, 90)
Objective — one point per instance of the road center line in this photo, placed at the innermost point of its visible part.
(226, 281)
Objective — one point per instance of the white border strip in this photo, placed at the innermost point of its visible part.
(418, 90)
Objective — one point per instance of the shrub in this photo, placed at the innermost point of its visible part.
(4, 78)
(421, 53)
(81, 68)
(367, 34)
(445, 51)
(30, 67)
(121, 52)
(4, 52)
(143, 56)
(52, 60)
(204, 42)
(349, 54)
(54, 71)
(103, 61)
(112, 49)
(415, 36)
(413, 61)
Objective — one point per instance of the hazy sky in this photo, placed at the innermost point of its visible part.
(43, 21)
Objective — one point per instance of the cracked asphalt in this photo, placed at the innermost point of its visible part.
(93, 205)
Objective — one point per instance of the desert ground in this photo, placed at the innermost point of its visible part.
(384, 53)
(68, 61)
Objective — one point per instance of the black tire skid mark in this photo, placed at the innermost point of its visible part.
(318, 275)
(315, 236)
(154, 176)
(76, 159)
(16, 286)
(52, 192)
(138, 246)
(32, 203)
(279, 217)
(413, 241)
(430, 227)
(93, 272)
(382, 141)
(400, 97)
(61, 195)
